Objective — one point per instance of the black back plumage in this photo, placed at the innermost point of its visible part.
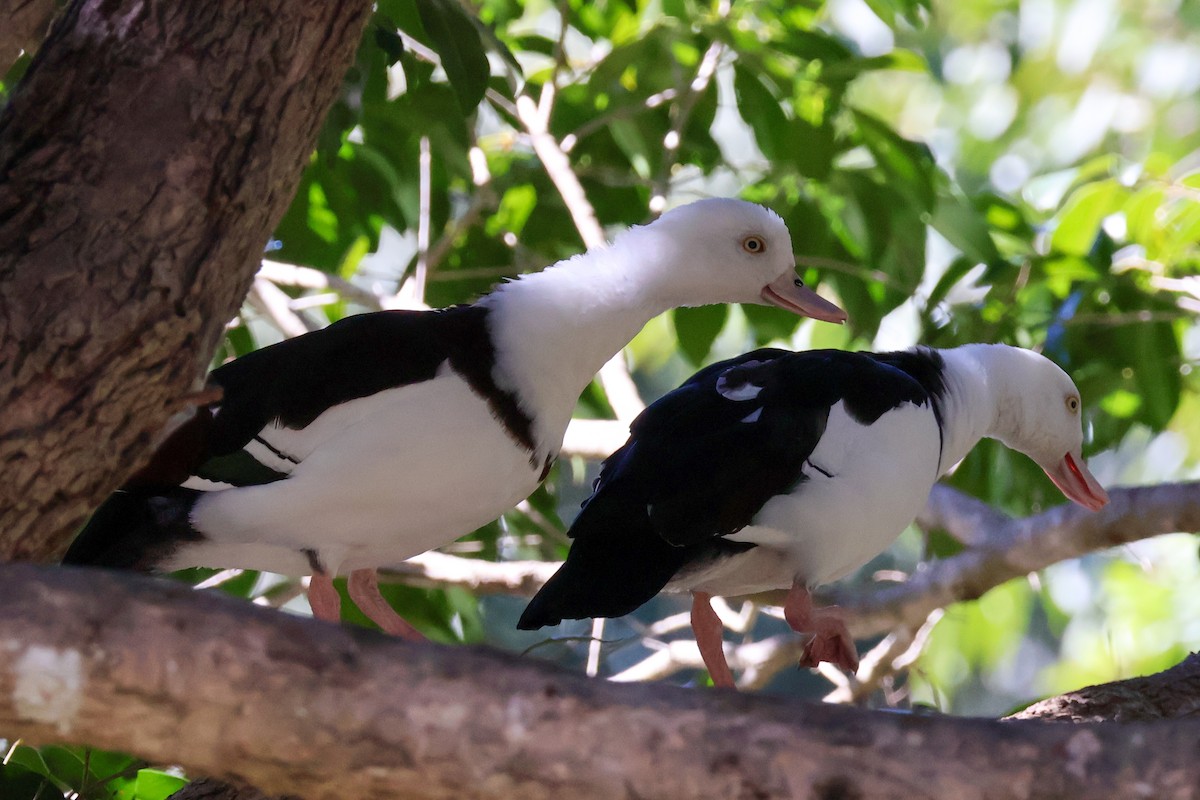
(704, 459)
(290, 383)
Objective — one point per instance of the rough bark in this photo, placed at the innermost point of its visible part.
(23, 24)
(1171, 694)
(208, 789)
(293, 705)
(144, 160)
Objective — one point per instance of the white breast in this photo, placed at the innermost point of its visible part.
(380, 479)
(879, 478)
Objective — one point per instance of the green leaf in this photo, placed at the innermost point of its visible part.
(1156, 360)
(1140, 214)
(770, 323)
(20, 783)
(390, 43)
(153, 784)
(939, 544)
(761, 111)
(697, 328)
(457, 43)
(909, 165)
(1079, 222)
(30, 759)
(65, 765)
(954, 273)
(813, 148)
(965, 228)
(814, 46)
(629, 138)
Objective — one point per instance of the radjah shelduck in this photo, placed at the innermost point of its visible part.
(388, 434)
(782, 470)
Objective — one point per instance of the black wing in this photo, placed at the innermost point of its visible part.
(295, 381)
(291, 383)
(700, 463)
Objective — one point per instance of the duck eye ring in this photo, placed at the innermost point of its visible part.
(754, 244)
(1073, 403)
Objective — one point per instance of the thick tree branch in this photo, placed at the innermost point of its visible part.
(1171, 694)
(144, 159)
(1001, 548)
(294, 705)
(1014, 547)
(1062, 533)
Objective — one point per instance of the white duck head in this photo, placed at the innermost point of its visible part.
(724, 250)
(1038, 412)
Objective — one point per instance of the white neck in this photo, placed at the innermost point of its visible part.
(553, 330)
(983, 398)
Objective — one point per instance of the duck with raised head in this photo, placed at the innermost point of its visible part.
(391, 433)
(782, 470)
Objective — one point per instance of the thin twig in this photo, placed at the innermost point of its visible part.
(308, 278)
(614, 376)
(558, 166)
(680, 114)
(272, 303)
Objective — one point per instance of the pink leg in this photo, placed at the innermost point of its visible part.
(831, 640)
(364, 591)
(709, 633)
(324, 600)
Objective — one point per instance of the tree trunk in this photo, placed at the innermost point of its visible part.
(23, 24)
(298, 706)
(144, 161)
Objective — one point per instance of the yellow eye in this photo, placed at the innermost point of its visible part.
(754, 244)
(1073, 404)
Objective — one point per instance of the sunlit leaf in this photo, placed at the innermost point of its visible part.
(154, 784)
(1079, 222)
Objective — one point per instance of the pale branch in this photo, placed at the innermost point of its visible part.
(621, 391)
(536, 121)
(1018, 547)
(298, 706)
(681, 112)
(1171, 694)
(966, 519)
(482, 199)
(535, 117)
(283, 274)
(273, 304)
(1005, 548)
(894, 654)
(596, 439)
(1059, 534)
(435, 570)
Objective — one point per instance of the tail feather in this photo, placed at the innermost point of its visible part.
(136, 529)
(609, 572)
